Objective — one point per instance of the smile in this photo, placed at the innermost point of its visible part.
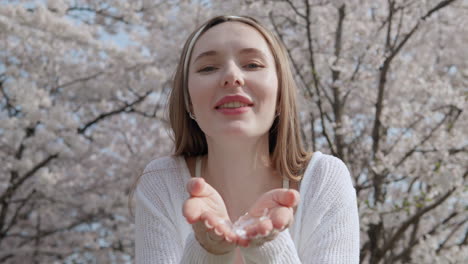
(232, 105)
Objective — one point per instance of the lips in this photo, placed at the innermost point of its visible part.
(232, 99)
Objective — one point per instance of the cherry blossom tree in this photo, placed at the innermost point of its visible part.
(80, 115)
(384, 86)
(83, 90)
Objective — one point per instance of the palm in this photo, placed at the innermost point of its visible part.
(197, 206)
(278, 204)
(207, 213)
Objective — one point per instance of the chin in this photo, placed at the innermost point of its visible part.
(242, 132)
(237, 129)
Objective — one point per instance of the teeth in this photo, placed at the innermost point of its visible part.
(232, 105)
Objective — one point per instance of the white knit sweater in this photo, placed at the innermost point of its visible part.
(325, 228)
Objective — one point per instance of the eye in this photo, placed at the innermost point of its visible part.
(253, 66)
(207, 69)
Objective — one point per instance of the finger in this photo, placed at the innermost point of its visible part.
(281, 217)
(286, 197)
(225, 228)
(208, 220)
(273, 198)
(260, 229)
(195, 186)
(221, 227)
(265, 227)
(251, 231)
(193, 209)
(215, 234)
(200, 188)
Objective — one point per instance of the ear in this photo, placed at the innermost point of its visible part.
(191, 113)
(190, 106)
(277, 109)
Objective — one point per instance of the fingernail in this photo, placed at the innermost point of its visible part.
(228, 239)
(208, 224)
(217, 232)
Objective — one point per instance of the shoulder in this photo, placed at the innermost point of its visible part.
(327, 174)
(161, 174)
(160, 188)
(326, 166)
(162, 183)
(162, 164)
(332, 166)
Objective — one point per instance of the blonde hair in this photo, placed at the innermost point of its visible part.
(288, 155)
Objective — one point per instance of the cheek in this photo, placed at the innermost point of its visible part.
(273, 94)
(266, 94)
(270, 89)
(195, 98)
(200, 93)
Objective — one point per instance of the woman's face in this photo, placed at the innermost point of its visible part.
(232, 82)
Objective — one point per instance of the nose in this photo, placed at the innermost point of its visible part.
(233, 77)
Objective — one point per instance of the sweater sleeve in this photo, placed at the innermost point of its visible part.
(335, 238)
(157, 237)
(281, 250)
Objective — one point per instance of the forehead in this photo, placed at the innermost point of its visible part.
(230, 36)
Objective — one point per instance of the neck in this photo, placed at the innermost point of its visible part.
(232, 167)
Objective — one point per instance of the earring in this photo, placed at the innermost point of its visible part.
(192, 116)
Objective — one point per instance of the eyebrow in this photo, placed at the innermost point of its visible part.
(243, 51)
(205, 54)
(253, 51)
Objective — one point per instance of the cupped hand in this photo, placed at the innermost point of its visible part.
(277, 205)
(206, 211)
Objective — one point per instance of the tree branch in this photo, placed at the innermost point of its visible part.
(100, 12)
(451, 234)
(290, 3)
(12, 110)
(424, 140)
(82, 79)
(407, 251)
(14, 185)
(127, 107)
(315, 78)
(404, 226)
(293, 62)
(439, 6)
(337, 104)
(386, 66)
(16, 214)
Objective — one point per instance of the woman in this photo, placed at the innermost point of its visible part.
(238, 150)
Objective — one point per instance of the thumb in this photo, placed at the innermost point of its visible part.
(199, 188)
(275, 198)
(286, 197)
